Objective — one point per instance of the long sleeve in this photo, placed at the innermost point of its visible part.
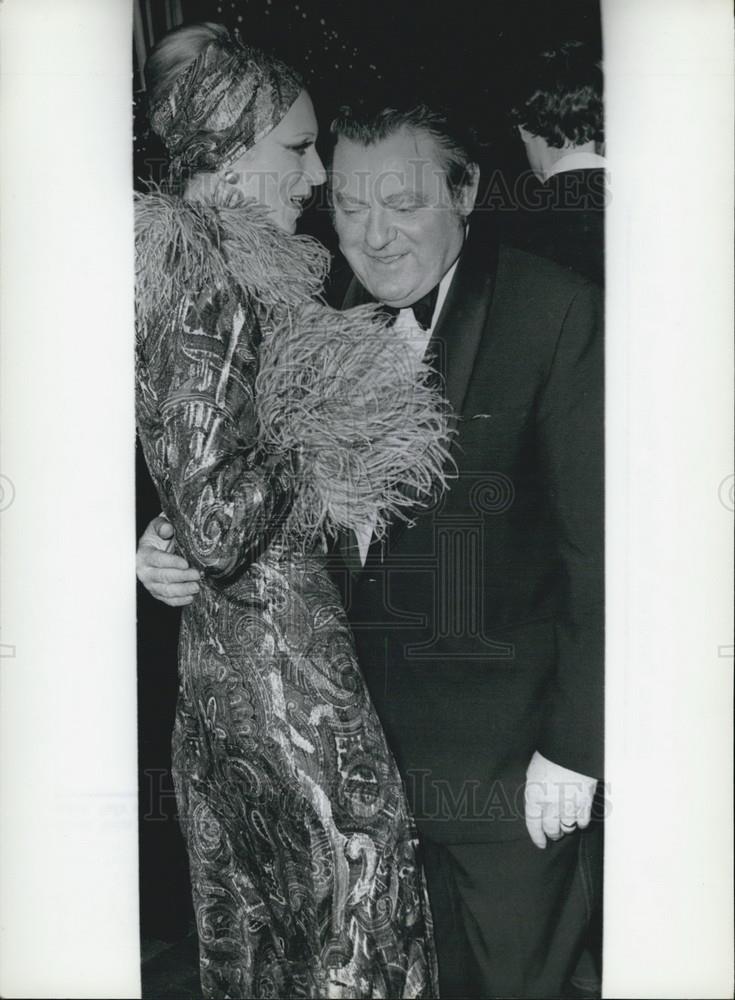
(571, 442)
(224, 496)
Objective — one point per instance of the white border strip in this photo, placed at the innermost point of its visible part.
(668, 906)
(68, 861)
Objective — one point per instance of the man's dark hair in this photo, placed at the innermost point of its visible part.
(561, 100)
(455, 140)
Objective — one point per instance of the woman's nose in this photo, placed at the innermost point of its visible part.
(315, 168)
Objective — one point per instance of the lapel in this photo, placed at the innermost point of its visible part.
(457, 333)
(458, 330)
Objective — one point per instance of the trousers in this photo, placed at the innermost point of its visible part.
(512, 920)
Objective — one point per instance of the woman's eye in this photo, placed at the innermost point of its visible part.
(301, 148)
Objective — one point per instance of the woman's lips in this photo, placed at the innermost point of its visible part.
(298, 202)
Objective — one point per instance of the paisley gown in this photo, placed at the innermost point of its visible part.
(303, 857)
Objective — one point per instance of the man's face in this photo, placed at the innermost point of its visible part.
(396, 223)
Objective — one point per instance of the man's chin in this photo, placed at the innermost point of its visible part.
(389, 292)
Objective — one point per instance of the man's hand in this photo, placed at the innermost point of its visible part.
(557, 800)
(165, 576)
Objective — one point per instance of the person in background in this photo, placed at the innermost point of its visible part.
(559, 116)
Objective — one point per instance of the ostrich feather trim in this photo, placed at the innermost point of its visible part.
(182, 247)
(342, 391)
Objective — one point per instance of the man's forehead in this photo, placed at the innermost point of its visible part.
(404, 160)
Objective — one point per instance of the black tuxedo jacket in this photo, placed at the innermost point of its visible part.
(565, 222)
(480, 628)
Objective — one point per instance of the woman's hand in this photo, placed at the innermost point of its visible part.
(165, 575)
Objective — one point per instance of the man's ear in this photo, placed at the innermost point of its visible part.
(468, 195)
(524, 133)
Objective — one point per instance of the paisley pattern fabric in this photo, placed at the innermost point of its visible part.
(227, 99)
(302, 854)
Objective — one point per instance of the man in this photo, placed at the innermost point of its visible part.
(479, 629)
(559, 117)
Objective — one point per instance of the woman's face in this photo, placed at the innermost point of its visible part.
(283, 167)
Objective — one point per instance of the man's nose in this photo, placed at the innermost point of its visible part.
(379, 230)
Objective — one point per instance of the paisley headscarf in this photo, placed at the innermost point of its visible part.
(222, 103)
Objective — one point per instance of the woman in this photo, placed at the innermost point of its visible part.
(262, 420)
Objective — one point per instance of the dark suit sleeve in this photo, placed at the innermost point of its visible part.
(571, 439)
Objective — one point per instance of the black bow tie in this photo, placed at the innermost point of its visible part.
(423, 310)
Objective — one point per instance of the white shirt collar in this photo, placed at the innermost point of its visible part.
(577, 161)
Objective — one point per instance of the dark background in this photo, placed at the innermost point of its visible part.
(469, 53)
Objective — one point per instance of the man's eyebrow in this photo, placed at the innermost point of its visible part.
(351, 198)
(417, 198)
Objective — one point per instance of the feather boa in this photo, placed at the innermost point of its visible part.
(371, 430)
(182, 247)
(336, 389)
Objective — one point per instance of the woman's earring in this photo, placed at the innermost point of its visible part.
(230, 176)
